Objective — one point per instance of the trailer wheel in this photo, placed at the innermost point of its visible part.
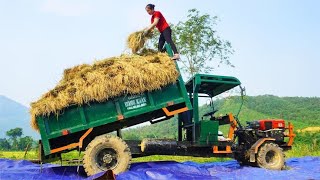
(106, 152)
(270, 156)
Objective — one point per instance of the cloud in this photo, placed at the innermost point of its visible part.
(66, 7)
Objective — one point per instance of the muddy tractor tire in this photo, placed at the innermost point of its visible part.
(271, 156)
(242, 160)
(106, 152)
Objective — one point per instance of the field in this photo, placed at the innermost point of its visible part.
(32, 155)
(299, 150)
(304, 113)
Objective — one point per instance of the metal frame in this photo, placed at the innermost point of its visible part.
(73, 145)
(233, 127)
(290, 134)
(225, 83)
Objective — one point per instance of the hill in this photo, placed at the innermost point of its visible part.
(301, 111)
(12, 115)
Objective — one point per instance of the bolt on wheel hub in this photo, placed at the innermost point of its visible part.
(107, 158)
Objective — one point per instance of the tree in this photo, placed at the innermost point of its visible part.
(17, 142)
(13, 135)
(4, 144)
(24, 141)
(197, 41)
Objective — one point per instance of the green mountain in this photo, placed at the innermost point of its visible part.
(12, 115)
(301, 111)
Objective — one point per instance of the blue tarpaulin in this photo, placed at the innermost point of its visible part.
(299, 168)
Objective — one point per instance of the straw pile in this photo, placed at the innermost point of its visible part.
(146, 70)
(126, 74)
(137, 40)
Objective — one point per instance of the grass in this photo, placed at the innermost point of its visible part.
(305, 144)
(297, 151)
(301, 150)
(179, 159)
(19, 155)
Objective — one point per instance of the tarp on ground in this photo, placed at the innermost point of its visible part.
(299, 168)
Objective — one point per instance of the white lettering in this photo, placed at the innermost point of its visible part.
(136, 103)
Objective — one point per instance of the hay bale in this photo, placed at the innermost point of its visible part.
(107, 78)
(137, 40)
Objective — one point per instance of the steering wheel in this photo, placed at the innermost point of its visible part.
(210, 113)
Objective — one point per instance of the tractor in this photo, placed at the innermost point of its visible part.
(88, 128)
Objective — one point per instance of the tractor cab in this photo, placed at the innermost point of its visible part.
(203, 128)
(260, 143)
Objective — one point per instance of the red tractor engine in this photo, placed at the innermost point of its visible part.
(271, 124)
(270, 128)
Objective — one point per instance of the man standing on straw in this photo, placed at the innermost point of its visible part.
(158, 20)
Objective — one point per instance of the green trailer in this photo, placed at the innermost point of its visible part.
(61, 132)
(85, 128)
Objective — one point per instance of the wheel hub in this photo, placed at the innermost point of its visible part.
(107, 158)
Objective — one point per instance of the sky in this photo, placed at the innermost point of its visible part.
(276, 43)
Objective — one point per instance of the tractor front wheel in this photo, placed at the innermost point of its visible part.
(270, 156)
(106, 152)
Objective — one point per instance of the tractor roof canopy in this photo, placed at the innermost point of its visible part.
(211, 85)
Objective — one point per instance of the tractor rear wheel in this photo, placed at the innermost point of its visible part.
(270, 156)
(106, 152)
